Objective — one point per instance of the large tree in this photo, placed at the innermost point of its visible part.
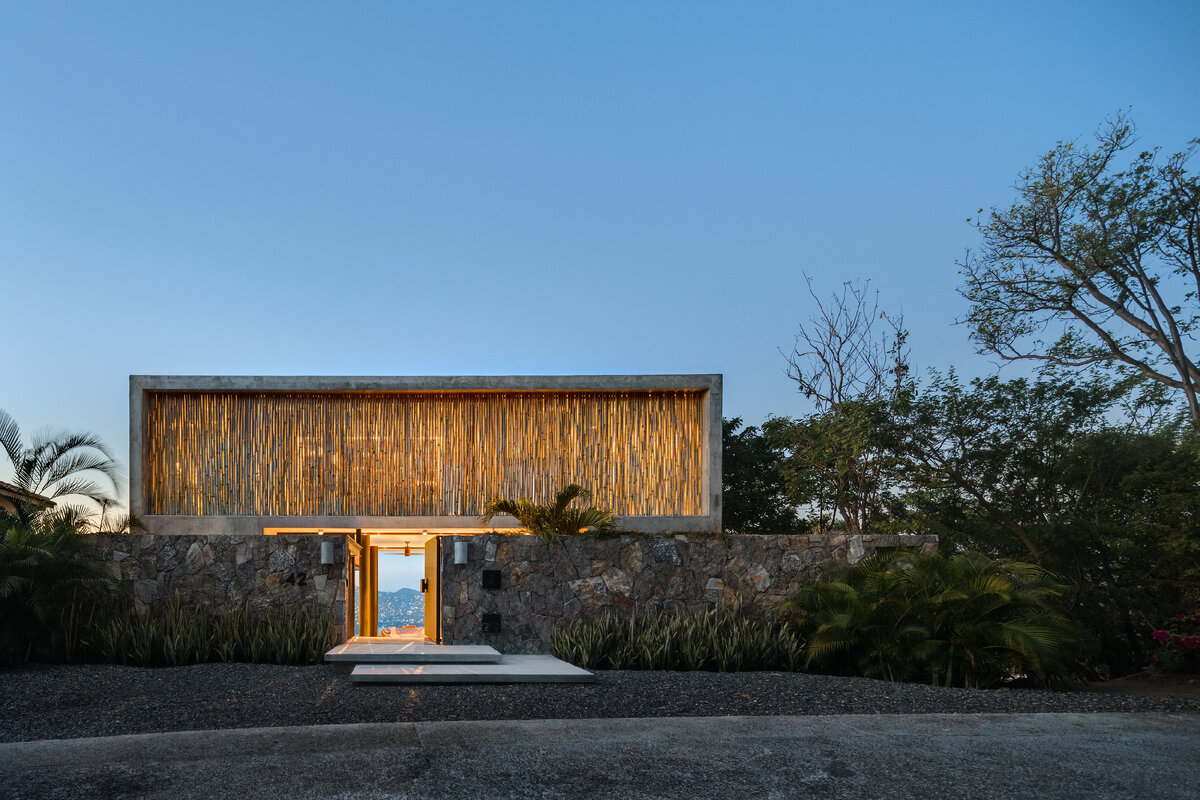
(850, 361)
(1098, 262)
(1044, 470)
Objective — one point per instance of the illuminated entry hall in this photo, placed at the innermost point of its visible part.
(394, 472)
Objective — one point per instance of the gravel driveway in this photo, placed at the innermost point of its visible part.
(51, 702)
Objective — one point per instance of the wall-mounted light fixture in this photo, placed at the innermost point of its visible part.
(460, 553)
(327, 552)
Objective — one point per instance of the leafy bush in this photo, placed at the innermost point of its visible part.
(720, 639)
(1179, 643)
(42, 584)
(961, 620)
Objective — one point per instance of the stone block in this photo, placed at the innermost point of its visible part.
(664, 551)
(281, 561)
(758, 578)
(618, 582)
(145, 591)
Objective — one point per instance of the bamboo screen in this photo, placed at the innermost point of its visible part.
(419, 454)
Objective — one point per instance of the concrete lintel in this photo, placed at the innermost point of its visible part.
(420, 383)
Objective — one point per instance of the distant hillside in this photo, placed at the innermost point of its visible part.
(403, 607)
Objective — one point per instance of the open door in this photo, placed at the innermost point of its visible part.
(433, 620)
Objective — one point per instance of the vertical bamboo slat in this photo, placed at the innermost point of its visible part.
(420, 453)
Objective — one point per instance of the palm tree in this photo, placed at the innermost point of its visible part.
(60, 465)
(555, 519)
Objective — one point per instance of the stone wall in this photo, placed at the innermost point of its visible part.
(268, 572)
(543, 585)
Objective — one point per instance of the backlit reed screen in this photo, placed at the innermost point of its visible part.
(418, 453)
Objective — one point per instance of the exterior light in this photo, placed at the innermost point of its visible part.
(460, 553)
(327, 552)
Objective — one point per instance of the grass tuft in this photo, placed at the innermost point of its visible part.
(721, 639)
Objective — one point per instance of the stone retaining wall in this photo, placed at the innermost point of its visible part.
(268, 572)
(543, 585)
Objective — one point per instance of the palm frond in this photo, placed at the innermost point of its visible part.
(10, 437)
(568, 494)
(549, 521)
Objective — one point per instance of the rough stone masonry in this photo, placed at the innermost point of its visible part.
(268, 572)
(545, 585)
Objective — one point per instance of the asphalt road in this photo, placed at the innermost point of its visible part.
(852, 756)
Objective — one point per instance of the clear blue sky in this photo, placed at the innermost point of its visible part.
(496, 188)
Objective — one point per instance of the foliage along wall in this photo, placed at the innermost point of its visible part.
(420, 453)
(544, 585)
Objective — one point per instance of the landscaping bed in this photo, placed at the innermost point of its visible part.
(69, 701)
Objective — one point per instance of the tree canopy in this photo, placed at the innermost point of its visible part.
(1098, 262)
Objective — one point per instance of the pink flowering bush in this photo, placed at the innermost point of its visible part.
(1179, 643)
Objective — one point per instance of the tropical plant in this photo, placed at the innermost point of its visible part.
(114, 520)
(551, 520)
(721, 639)
(1043, 470)
(41, 583)
(962, 620)
(1179, 643)
(172, 634)
(59, 465)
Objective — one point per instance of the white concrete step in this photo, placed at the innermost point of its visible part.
(510, 669)
(411, 653)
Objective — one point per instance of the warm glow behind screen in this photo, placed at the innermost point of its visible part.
(420, 453)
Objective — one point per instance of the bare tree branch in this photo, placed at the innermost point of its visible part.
(1104, 258)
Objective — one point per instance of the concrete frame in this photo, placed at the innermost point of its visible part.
(141, 385)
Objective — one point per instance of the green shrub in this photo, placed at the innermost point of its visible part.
(963, 620)
(42, 583)
(175, 635)
(721, 639)
(1178, 642)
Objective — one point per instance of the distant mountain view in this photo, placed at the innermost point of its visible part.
(403, 607)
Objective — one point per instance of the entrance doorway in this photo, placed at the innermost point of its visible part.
(399, 598)
(395, 575)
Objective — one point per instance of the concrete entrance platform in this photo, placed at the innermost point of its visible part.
(378, 652)
(510, 669)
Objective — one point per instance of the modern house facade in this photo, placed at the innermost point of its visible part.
(396, 464)
(285, 492)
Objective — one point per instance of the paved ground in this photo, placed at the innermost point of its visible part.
(898, 756)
